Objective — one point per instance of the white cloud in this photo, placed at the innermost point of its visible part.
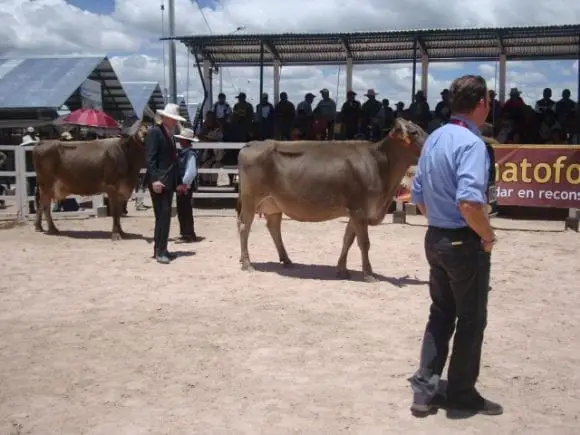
(132, 34)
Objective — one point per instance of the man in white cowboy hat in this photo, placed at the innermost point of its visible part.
(187, 174)
(162, 176)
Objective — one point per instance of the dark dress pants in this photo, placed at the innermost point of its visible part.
(162, 211)
(185, 214)
(459, 286)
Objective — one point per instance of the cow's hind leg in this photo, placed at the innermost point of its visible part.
(361, 227)
(38, 219)
(246, 211)
(274, 224)
(347, 241)
(44, 206)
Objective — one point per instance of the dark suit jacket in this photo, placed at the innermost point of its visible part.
(162, 160)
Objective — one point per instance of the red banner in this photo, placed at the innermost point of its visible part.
(538, 175)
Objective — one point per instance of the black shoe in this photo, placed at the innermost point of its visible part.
(188, 239)
(163, 259)
(170, 255)
(473, 406)
(420, 409)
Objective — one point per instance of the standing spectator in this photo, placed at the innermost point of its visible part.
(350, 115)
(265, 118)
(420, 110)
(305, 116)
(386, 115)
(565, 106)
(514, 106)
(242, 119)
(370, 110)
(546, 103)
(222, 110)
(327, 109)
(450, 188)
(442, 110)
(285, 115)
(187, 174)
(494, 109)
(399, 109)
(163, 176)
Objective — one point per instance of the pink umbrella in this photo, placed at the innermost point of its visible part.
(90, 118)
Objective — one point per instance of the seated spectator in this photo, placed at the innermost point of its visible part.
(548, 125)
(557, 137)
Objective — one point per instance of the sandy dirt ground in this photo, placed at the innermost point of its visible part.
(97, 338)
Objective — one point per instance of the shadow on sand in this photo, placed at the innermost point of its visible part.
(97, 235)
(328, 273)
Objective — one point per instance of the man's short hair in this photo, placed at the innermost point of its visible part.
(466, 92)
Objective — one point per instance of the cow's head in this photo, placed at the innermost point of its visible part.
(137, 131)
(408, 135)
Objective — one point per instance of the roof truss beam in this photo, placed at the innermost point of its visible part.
(500, 44)
(346, 47)
(422, 47)
(271, 49)
(107, 89)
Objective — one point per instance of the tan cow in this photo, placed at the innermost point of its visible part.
(86, 168)
(312, 181)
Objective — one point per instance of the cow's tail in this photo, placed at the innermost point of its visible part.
(239, 206)
(37, 199)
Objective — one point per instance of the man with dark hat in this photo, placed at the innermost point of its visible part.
(350, 115)
(305, 116)
(242, 118)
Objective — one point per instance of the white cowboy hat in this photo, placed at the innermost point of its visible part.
(371, 93)
(30, 129)
(66, 136)
(171, 111)
(187, 134)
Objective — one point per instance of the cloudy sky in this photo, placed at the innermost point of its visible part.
(129, 30)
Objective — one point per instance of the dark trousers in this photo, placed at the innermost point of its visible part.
(185, 214)
(162, 211)
(459, 286)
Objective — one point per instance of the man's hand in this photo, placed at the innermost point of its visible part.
(158, 186)
(182, 189)
(487, 245)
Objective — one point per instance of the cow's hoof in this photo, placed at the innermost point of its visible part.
(370, 278)
(115, 237)
(286, 263)
(248, 268)
(343, 274)
(53, 232)
(38, 229)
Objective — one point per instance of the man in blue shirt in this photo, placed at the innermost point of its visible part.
(187, 172)
(450, 189)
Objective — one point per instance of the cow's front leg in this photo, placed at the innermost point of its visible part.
(115, 207)
(362, 237)
(274, 224)
(347, 241)
(245, 219)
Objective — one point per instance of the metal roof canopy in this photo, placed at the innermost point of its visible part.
(49, 82)
(483, 44)
(143, 94)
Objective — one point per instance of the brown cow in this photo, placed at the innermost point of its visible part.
(86, 168)
(313, 181)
